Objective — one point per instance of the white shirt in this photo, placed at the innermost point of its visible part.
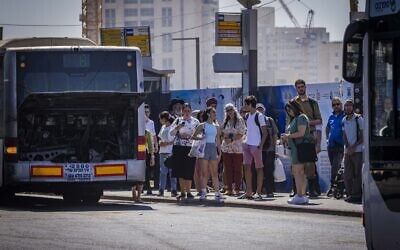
(150, 127)
(165, 136)
(253, 135)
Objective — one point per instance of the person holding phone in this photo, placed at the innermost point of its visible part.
(183, 128)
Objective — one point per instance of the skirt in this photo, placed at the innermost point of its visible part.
(183, 166)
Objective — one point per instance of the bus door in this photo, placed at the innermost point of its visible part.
(383, 197)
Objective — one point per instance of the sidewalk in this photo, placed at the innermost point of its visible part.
(320, 205)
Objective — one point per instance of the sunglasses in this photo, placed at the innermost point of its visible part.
(335, 104)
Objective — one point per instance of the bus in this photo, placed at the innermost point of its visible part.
(71, 117)
(371, 60)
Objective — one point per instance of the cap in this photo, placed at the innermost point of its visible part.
(349, 101)
(260, 105)
(211, 100)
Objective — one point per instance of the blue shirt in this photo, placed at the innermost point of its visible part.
(335, 135)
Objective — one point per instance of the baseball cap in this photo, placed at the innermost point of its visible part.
(260, 105)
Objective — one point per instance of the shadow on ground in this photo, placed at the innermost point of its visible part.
(37, 203)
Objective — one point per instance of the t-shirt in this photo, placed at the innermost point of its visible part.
(165, 136)
(150, 127)
(350, 128)
(253, 135)
(335, 137)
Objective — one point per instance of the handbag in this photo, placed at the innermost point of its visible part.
(279, 172)
(197, 149)
(169, 161)
(306, 151)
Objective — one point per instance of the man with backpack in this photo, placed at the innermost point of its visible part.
(352, 125)
(252, 147)
(268, 151)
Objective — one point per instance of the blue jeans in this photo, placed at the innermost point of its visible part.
(164, 172)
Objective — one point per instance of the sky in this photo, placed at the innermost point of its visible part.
(332, 14)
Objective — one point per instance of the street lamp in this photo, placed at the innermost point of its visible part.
(197, 57)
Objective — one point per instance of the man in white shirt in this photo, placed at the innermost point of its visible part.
(150, 170)
(252, 147)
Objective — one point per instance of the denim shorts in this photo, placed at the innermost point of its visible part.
(210, 152)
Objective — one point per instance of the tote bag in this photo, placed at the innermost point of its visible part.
(197, 149)
(279, 172)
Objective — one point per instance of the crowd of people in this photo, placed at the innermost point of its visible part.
(244, 143)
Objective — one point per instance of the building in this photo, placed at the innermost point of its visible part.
(286, 54)
(170, 19)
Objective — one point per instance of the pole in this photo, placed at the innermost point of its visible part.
(249, 77)
(197, 63)
(197, 56)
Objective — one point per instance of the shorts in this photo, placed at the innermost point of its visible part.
(252, 152)
(210, 152)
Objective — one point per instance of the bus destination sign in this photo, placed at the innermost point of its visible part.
(379, 8)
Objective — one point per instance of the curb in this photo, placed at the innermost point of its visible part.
(263, 206)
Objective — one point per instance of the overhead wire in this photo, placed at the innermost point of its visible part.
(204, 41)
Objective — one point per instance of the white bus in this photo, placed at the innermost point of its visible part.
(371, 60)
(71, 117)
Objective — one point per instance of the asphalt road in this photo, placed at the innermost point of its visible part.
(40, 223)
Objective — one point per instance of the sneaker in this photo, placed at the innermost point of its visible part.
(189, 196)
(330, 192)
(292, 194)
(352, 199)
(181, 196)
(242, 197)
(218, 196)
(160, 192)
(297, 200)
(203, 196)
(270, 195)
(174, 193)
(257, 197)
(149, 192)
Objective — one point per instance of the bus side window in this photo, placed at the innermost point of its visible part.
(1, 96)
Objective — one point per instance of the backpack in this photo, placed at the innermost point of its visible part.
(271, 128)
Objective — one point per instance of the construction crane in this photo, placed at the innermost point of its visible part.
(289, 13)
(309, 20)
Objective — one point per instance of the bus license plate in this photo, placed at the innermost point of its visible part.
(78, 172)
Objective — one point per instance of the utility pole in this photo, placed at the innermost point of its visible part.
(249, 76)
(197, 57)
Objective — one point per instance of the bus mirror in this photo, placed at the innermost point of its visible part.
(352, 61)
(352, 51)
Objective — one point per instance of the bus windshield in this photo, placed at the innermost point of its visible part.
(58, 71)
